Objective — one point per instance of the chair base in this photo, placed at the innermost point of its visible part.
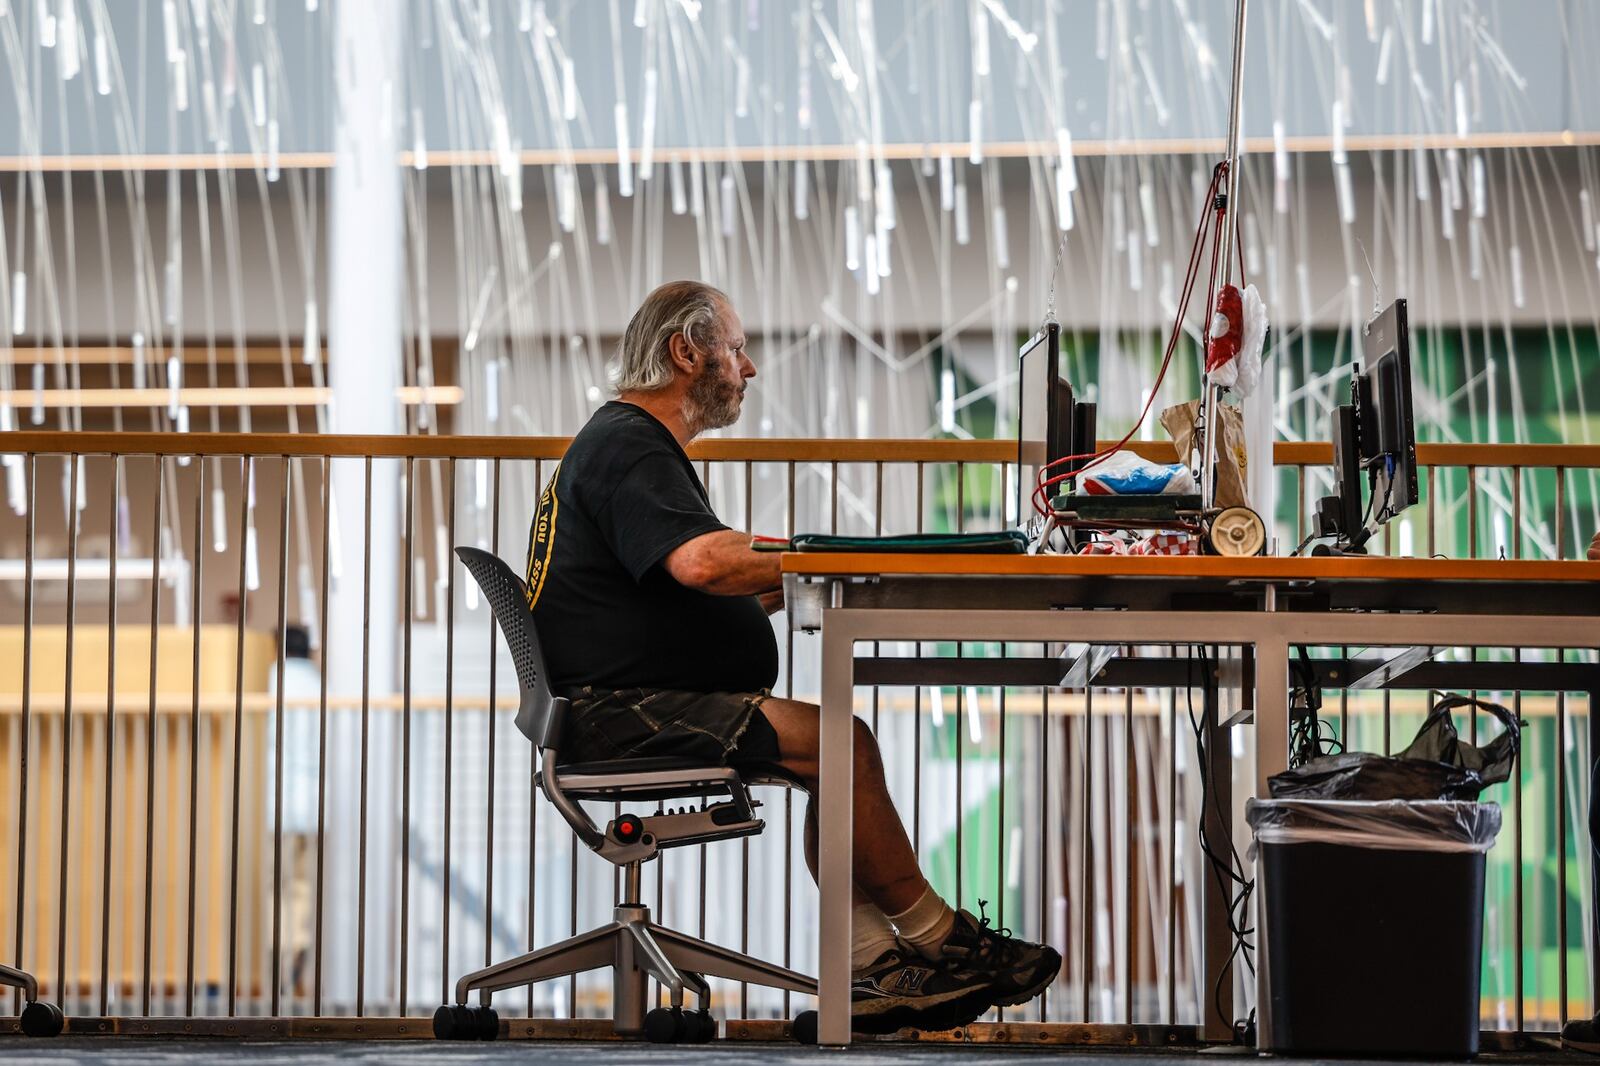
(636, 949)
(38, 1018)
(14, 978)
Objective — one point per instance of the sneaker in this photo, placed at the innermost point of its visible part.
(1015, 970)
(902, 990)
(1581, 1035)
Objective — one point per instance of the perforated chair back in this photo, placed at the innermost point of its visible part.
(540, 714)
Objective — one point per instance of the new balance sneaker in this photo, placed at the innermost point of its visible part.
(1581, 1035)
(1015, 970)
(902, 990)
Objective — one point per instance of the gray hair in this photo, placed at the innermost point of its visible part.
(687, 307)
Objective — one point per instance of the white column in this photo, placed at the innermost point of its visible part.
(364, 359)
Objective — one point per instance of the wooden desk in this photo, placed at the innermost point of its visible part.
(1267, 605)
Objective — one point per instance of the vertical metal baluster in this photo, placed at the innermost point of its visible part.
(877, 531)
(322, 734)
(705, 478)
(1561, 512)
(1433, 513)
(788, 794)
(961, 712)
(1301, 502)
(1000, 825)
(27, 718)
(1388, 701)
(246, 472)
(111, 738)
(66, 727)
(916, 718)
(1088, 926)
(449, 736)
(533, 802)
(194, 721)
(277, 744)
(150, 731)
(1344, 699)
(408, 595)
(961, 696)
(572, 921)
(494, 649)
(1044, 830)
(1516, 865)
(833, 493)
(1472, 512)
(366, 724)
(1561, 854)
(1173, 739)
(1127, 864)
(744, 844)
(1516, 512)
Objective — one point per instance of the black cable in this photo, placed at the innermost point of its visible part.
(1229, 870)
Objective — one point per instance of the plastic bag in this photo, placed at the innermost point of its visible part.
(1122, 473)
(1437, 765)
(1391, 825)
(1243, 372)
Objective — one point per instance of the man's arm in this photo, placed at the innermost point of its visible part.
(724, 564)
(1594, 548)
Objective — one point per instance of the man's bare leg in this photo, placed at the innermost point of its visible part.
(886, 875)
(886, 871)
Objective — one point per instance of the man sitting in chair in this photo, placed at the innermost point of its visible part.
(653, 618)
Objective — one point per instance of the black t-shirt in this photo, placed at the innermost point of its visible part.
(608, 613)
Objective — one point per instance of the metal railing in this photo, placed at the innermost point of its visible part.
(247, 836)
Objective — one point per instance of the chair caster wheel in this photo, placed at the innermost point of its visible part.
(42, 1019)
(699, 1027)
(805, 1027)
(459, 1022)
(665, 1025)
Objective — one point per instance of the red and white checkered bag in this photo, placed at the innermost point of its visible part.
(1104, 547)
(1166, 543)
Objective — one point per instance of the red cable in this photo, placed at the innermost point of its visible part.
(1040, 497)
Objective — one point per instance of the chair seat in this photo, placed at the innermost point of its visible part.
(640, 778)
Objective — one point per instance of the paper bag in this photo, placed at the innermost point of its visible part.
(1233, 465)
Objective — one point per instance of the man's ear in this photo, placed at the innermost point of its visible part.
(682, 351)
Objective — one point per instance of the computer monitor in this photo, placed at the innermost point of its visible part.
(1050, 424)
(1388, 433)
(1374, 436)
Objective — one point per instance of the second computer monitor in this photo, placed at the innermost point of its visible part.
(1388, 434)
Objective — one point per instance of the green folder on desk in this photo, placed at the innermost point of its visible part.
(1005, 542)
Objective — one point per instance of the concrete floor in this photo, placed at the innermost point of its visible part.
(137, 1051)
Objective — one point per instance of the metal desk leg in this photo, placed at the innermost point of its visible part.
(836, 769)
(1272, 710)
(1272, 756)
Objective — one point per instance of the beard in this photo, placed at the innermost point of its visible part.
(713, 402)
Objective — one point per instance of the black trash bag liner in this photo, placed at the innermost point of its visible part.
(1438, 764)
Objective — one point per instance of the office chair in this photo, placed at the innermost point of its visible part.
(635, 947)
(38, 1017)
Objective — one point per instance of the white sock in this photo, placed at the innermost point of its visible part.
(926, 924)
(870, 936)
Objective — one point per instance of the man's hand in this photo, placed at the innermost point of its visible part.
(724, 564)
(1594, 548)
(772, 602)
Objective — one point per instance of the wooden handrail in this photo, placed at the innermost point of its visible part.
(730, 449)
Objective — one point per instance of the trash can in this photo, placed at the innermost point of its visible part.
(1372, 918)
